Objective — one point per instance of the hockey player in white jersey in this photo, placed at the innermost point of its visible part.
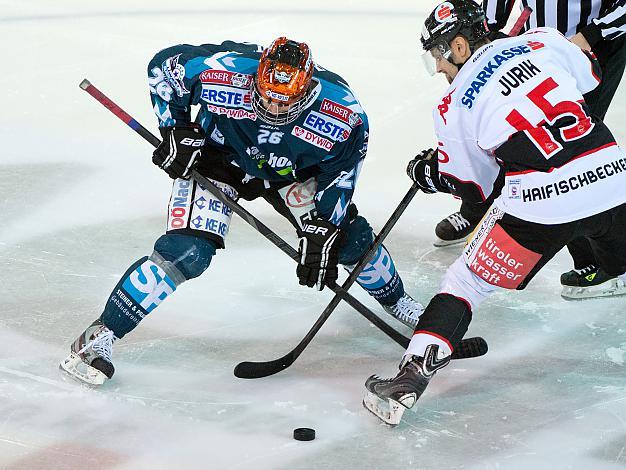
(518, 103)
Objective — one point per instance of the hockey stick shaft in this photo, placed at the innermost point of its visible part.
(119, 112)
(259, 226)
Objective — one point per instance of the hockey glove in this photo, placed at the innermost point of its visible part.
(180, 150)
(318, 251)
(424, 171)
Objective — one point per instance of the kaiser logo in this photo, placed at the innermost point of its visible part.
(340, 112)
(224, 77)
(444, 13)
(312, 138)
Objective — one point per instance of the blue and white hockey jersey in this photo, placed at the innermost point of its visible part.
(327, 141)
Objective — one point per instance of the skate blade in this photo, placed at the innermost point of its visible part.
(77, 369)
(610, 288)
(439, 243)
(388, 411)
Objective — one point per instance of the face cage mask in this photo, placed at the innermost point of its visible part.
(291, 112)
(431, 57)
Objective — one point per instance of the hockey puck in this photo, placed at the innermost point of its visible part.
(304, 434)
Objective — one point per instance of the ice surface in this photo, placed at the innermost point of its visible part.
(80, 200)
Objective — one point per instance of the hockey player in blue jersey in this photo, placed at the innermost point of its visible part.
(271, 124)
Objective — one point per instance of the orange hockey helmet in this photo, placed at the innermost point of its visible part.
(283, 81)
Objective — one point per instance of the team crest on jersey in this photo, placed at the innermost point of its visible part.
(174, 74)
(224, 77)
(312, 138)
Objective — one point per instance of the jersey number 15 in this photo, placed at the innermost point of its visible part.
(544, 141)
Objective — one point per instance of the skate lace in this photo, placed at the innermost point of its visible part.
(458, 221)
(407, 309)
(586, 270)
(102, 344)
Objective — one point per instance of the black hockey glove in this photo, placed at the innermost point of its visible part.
(424, 171)
(319, 252)
(180, 150)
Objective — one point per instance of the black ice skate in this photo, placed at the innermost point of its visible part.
(590, 282)
(453, 230)
(388, 398)
(407, 310)
(90, 355)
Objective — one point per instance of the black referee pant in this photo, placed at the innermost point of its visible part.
(612, 58)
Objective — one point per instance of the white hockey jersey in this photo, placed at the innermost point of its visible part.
(519, 101)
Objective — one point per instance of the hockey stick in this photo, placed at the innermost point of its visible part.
(471, 347)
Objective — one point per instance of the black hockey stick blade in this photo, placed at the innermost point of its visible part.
(471, 347)
(257, 370)
(467, 348)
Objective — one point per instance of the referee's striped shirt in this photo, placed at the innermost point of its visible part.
(596, 19)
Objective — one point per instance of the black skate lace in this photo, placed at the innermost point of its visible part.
(458, 221)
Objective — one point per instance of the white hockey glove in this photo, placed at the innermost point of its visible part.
(180, 150)
(319, 253)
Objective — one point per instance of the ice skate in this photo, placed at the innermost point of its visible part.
(406, 310)
(453, 230)
(590, 282)
(90, 357)
(388, 398)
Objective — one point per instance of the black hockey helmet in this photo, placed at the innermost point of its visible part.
(450, 19)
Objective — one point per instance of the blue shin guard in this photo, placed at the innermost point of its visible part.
(150, 280)
(379, 277)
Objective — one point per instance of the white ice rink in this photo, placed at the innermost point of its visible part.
(80, 200)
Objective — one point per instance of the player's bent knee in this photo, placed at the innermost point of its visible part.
(183, 257)
(461, 282)
(358, 237)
